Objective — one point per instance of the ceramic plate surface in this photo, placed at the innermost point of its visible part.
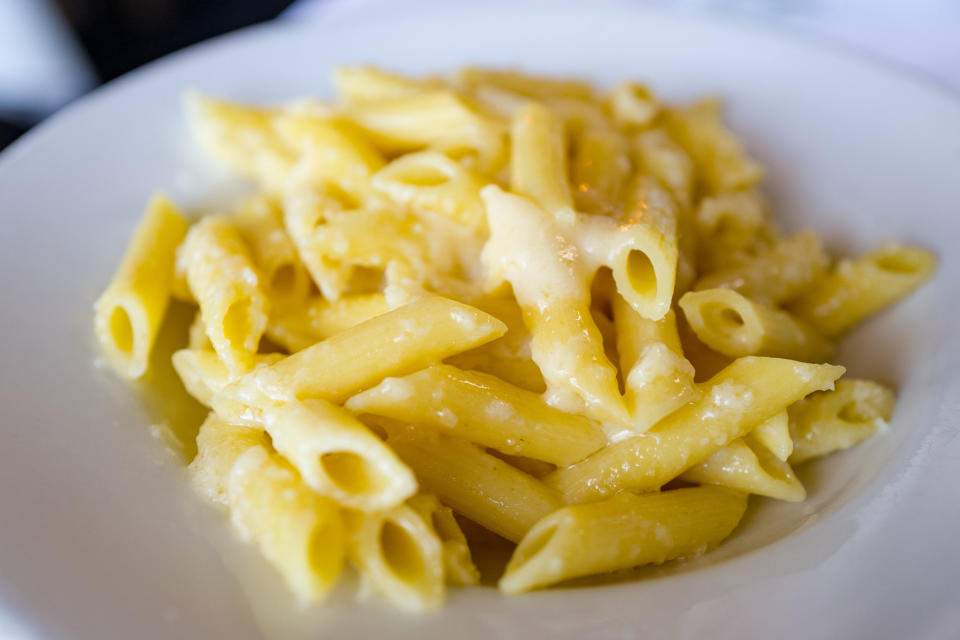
(100, 537)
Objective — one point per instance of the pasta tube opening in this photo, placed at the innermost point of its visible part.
(325, 551)
(352, 472)
(121, 330)
(401, 557)
(238, 324)
(642, 275)
(400, 552)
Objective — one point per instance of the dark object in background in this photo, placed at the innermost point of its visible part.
(120, 35)
(8, 133)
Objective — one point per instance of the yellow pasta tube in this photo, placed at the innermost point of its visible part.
(779, 275)
(746, 465)
(429, 181)
(639, 246)
(733, 401)
(129, 313)
(657, 378)
(473, 483)
(551, 284)
(300, 533)
(532, 86)
(219, 444)
(363, 84)
(633, 105)
(412, 337)
(435, 119)
(458, 567)
(731, 228)
(485, 410)
(332, 150)
(242, 138)
(599, 169)
(838, 419)
(320, 318)
(538, 159)
(203, 374)
(858, 288)
(737, 326)
(722, 163)
(400, 556)
(774, 434)
(260, 222)
(654, 154)
(345, 249)
(338, 456)
(509, 357)
(197, 334)
(622, 532)
(226, 284)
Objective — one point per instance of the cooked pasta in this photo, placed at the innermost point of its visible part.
(494, 307)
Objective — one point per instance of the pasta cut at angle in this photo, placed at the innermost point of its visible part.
(485, 410)
(403, 340)
(493, 307)
(621, 532)
(835, 420)
(736, 326)
(400, 555)
(130, 311)
(338, 456)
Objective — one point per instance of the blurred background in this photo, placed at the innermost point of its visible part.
(53, 51)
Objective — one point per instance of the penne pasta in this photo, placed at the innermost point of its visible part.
(128, 314)
(779, 275)
(458, 567)
(835, 420)
(748, 466)
(203, 374)
(226, 284)
(736, 326)
(485, 410)
(431, 182)
(242, 138)
(338, 456)
(858, 288)
(473, 483)
(633, 105)
(400, 556)
(565, 344)
(622, 532)
(300, 533)
(320, 318)
(446, 319)
(658, 379)
(774, 434)
(538, 159)
(731, 228)
(733, 401)
(219, 445)
(639, 246)
(403, 340)
(721, 162)
(285, 280)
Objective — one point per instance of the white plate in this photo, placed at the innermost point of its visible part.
(99, 536)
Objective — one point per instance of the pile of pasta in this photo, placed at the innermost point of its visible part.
(564, 315)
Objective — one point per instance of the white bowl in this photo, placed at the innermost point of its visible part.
(101, 538)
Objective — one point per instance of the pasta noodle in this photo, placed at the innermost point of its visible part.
(493, 309)
(128, 314)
